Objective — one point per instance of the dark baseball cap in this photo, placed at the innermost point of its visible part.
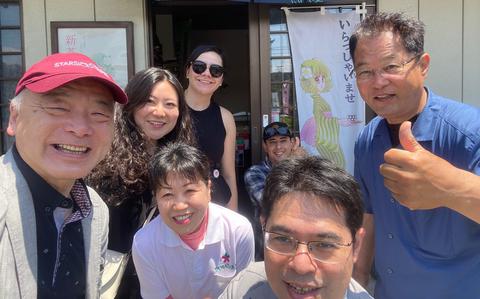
(276, 129)
(59, 69)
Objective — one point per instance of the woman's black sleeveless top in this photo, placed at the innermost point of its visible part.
(210, 134)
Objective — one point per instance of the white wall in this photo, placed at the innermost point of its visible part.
(443, 40)
(452, 36)
(471, 52)
(452, 39)
(38, 14)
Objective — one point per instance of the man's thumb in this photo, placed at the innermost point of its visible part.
(407, 140)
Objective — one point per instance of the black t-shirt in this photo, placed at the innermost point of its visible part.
(125, 220)
(393, 130)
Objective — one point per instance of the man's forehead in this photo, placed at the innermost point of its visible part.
(379, 48)
(277, 138)
(304, 207)
(385, 38)
(306, 203)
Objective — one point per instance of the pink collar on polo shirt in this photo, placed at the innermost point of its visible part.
(193, 239)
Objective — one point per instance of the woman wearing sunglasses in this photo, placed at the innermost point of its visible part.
(213, 125)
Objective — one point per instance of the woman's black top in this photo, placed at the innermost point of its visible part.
(125, 220)
(210, 134)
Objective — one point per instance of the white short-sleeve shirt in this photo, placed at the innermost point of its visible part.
(167, 266)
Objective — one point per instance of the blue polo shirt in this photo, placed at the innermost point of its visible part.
(425, 253)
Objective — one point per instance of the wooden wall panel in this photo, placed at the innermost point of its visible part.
(133, 11)
(409, 7)
(34, 31)
(37, 16)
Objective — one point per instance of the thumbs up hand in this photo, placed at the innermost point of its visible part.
(417, 178)
(407, 140)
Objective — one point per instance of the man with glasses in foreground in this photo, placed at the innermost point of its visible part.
(312, 216)
(417, 164)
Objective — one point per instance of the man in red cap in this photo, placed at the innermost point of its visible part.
(53, 229)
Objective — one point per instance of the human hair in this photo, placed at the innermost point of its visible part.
(123, 173)
(181, 159)
(410, 30)
(320, 178)
(199, 50)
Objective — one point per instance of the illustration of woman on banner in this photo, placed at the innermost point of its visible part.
(316, 79)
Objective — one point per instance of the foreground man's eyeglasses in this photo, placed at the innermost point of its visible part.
(326, 251)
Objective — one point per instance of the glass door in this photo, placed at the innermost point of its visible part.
(11, 63)
(283, 102)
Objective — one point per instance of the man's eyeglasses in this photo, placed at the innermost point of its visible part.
(215, 70)
(276, 130)
(389, 70)
(327, 252)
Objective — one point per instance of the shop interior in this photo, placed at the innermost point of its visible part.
(177, 29)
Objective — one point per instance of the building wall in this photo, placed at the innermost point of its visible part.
(451, 35)
(452, 39)
(38, 14)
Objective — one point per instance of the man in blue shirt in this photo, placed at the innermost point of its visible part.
(417, 164)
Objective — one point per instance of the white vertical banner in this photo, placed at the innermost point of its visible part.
(330, 110)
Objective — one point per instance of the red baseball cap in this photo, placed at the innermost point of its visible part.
(59, 69)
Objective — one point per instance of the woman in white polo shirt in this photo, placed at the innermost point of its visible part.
(195, 247)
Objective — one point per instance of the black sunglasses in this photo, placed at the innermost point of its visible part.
(215, 70)
(276, 130)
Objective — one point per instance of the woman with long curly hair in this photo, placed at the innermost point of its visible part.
(156, 114)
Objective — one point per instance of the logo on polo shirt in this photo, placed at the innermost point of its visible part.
(226, 258)
(224, 263)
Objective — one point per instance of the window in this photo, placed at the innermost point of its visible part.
(284, 107)
(11, 62)
(283, 99)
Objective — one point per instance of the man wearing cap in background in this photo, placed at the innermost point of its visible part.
(53, 229)
(278, 143)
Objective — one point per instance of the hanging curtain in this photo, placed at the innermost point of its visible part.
(330, 110)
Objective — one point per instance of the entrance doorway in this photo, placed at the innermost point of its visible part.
(177, 27)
